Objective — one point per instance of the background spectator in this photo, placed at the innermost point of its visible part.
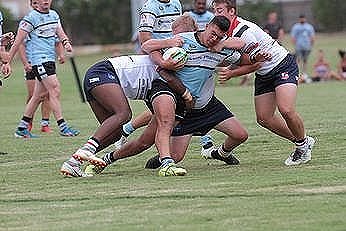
(342, 64)
(303, 36)
(321, 69)
(273, 27)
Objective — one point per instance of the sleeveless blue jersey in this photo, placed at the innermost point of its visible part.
(42, 32)
(197, 73)
(157, 17)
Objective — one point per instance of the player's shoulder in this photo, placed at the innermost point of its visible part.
(209, 14)
(151, 6)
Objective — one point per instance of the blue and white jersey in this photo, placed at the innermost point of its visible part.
(136, 74)
(202, 19)
(42, 29)
(157, 17)
(197, 73)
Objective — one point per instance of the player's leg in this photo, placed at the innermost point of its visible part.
(47, 74)
(45, 112)
(265, 107)
(22, 130)
(139, 121)
(131, 148)
(286, 97)
(30, 86)
(236, 135)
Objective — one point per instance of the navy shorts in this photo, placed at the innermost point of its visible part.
(99, 74)
(160, 87)
(44, 70)
(200, 121)
(285, 72)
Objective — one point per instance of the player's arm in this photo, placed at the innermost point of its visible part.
(64, 39)
(59, 48)
(177, 86)
(158, 44)
(6, 68)
(226, 73)
(23, 58)
(229, 43)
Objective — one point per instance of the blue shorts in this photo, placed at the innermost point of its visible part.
(285, 72)
(99, 74)
(200, 121)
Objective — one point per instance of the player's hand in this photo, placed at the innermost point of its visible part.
(171, 64)
(263, 56)
(6, 70)
(61, 59)
(7, 39)
(4, 57)
(188, 100)
(224, 74)
(68, 47)
(27, 67)
(176, 41)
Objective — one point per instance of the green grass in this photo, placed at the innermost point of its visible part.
(259, 194)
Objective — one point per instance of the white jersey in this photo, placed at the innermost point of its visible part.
(256, 39)
(136, 73)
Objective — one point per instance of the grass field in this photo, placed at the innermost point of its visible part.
(259, 194)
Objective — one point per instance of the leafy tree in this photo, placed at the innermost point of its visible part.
(10, 24)
(256, 11)
(331, 14)
(96, 21)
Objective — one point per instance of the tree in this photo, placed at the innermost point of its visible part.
(96, 21)
(331, 14)
(10, 24)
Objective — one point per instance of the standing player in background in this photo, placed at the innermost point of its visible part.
(156, 20)
(275, 84)
(200, 14)
(42, 25)
(303, 38)
(25, 54)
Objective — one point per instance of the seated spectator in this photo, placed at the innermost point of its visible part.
(342, 64)
(322, 71)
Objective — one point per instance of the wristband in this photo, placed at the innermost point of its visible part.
(65, 41)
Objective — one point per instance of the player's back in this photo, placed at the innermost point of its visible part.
(136, 73)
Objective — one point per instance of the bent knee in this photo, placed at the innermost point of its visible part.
(242, 136)
(287, 113)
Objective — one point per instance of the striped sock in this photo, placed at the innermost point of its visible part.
(91, 145)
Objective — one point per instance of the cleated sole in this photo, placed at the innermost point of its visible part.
(94, 160)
